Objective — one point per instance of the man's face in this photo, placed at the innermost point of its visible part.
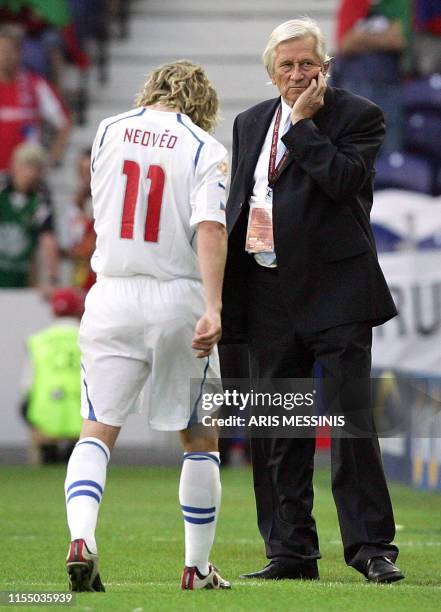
(10, 55)
(26, 176)
(296, 64)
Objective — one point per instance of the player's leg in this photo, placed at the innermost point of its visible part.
(110, 390)
(86, 479)
(114, 370)
(200, 496)
(84, 488)
(173, 312)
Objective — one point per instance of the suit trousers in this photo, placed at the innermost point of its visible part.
(283, 467)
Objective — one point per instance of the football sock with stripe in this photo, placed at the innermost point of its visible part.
(84, 487)
(199, 496)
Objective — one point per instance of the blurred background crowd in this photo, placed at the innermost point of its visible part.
(386, 50)
(390, 52)
(47, 49)
(55, 55)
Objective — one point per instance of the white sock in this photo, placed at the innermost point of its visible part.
(84, 487)
(199, 496)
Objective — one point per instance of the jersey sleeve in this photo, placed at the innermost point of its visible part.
(208, 196)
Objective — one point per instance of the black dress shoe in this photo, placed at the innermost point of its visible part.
(280, 570)
(381, 569)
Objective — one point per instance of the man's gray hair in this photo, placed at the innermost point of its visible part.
(294, 28)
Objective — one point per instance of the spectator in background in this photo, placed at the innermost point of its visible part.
(91, 24)
(26, 224)
(43, 49)
(27, 101)
(119, 11)
(80, 239)
(428, 36)
(372, 38)
(52, 381)
(42, 44)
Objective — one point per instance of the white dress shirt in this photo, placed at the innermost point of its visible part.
(262, 193)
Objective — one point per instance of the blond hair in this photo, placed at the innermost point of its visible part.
(295, 28)
(184, 87)
(30, 153)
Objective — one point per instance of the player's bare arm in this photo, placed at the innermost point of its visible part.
(212, 252)
(359, 41)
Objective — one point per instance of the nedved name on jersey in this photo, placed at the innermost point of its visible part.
(147, 138)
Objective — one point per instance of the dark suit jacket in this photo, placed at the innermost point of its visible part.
(326, 255)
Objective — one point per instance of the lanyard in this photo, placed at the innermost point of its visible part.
(273, 172)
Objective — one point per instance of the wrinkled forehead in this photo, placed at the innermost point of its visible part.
(297, 49)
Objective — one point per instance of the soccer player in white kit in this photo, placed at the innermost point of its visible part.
(152, 320)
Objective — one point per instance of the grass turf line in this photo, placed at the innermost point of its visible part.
(140, 539)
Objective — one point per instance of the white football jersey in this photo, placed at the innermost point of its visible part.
(155, 176)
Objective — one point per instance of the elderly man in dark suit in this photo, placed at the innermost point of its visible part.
(303, 286)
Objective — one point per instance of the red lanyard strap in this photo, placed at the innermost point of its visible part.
(273, 172)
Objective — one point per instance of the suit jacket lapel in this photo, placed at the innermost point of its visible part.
(256, 130)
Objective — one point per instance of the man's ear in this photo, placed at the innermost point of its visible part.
(326, 67)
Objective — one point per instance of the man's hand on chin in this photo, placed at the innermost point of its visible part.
(310, 101)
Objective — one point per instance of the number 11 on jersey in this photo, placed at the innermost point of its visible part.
(156, 176)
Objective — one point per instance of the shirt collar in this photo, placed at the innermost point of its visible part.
(286, 112)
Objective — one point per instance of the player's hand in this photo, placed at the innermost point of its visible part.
(207, 333)
(310, 101)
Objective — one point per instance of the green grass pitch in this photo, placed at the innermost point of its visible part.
(140, 538)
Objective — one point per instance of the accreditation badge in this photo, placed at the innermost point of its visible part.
(260, 229)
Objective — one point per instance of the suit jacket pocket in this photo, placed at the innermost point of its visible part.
(346, 241)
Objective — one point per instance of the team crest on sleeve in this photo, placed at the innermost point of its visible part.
(223, 168)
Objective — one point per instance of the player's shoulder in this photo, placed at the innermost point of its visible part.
(206, 141)
(133, 112)
(110, 121)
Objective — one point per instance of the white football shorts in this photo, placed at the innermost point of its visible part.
(135, 339)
